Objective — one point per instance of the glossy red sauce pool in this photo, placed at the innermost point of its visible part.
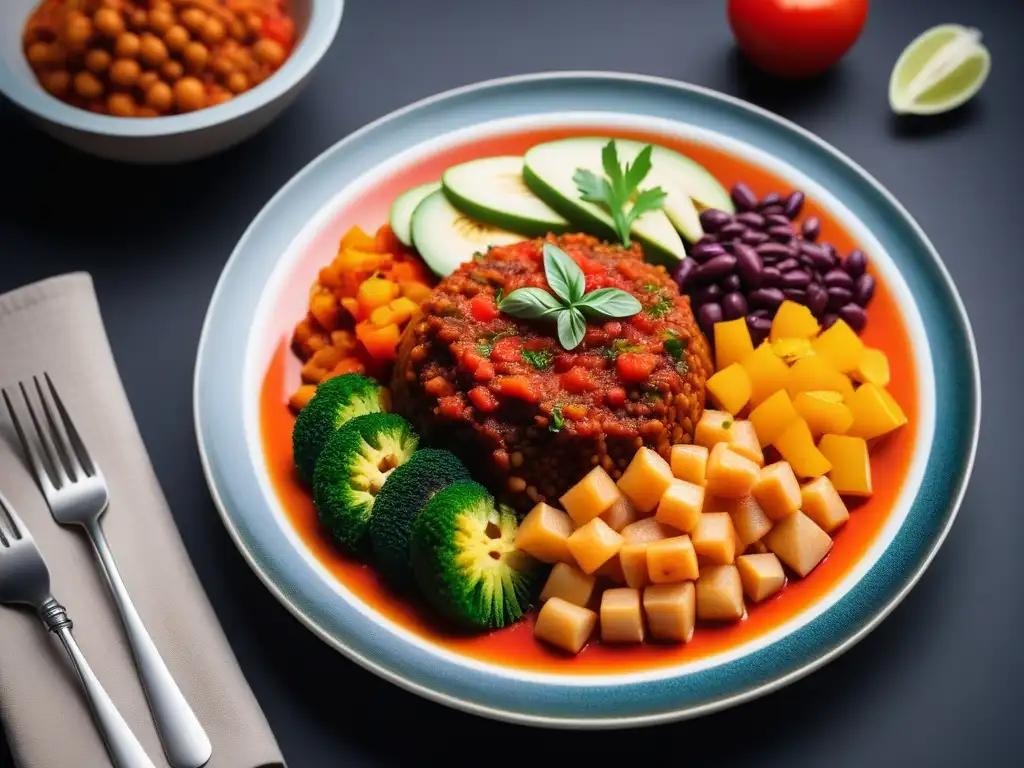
(515, 646)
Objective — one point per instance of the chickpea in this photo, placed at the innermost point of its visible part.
(147, 79)
(125, 72)
(44, 54)
(196, 56)
(189, 94)
(97, 60)
(176, 38)
(160, 97)
(237, 28)
(108, 22)
(161, 5)
(213, 30)
(121, 105)
(172, 70)
(77, 30)
(269, 51)
(88, 86)
(127, 45)
(219, 96)
(254, 22)
(223, 65)
(146, 112)
(152, 50)
(194, 19)
(161, 21)
(237, 82)
(243, 60)
(139, 20)
(56, 82)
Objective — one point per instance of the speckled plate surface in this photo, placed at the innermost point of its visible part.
(263, 291)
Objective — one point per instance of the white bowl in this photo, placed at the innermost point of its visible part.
(176, 138)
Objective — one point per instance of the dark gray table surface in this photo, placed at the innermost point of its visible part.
(937, 684)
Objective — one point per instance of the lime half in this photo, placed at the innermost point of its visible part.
(940, 70)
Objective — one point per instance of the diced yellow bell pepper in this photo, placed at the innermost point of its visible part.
(402, 309)
(773, 416)
(875, 412)
(790, 350)
(793, 321)
(375, 292)
(823, 412)
(353, 260)
(796, 445)
(382, 316)
(816, 373)
(357, 238)
(851, 466)
(840, 346)
(730, 388)
(872, 368)
(732, 342)
(768, 374)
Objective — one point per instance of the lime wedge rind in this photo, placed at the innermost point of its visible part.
(940, 70)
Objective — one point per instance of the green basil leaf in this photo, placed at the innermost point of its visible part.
(530, 303)
(609, 302)
(563, 274)
(571, 327)
(636, 172)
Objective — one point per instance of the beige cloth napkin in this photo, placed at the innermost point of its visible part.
(55, 325)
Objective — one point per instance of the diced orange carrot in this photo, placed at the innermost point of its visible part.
(375, 292)
(348, 365)
(324, 307)
(517, 386)
(357, 238)
(386, 242)
(301, 396)
(381, 343)
(382, 316)
(414, 290)
(352, 307)
(402, 309)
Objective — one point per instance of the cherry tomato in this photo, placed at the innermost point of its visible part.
(796, 38)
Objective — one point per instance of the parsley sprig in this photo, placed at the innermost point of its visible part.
(569, 306)
(619, 188)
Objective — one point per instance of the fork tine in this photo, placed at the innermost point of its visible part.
(12, 529)
(65, 452)
(32, 453)
(75, 442)
(45, 440)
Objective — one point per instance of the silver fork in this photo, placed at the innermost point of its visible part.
(77, 495)
(25, 579)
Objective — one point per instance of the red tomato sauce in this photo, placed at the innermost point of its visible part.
(515, 646)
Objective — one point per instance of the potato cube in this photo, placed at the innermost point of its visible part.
(762, 575)
(645, 531)
(823, 412)
(729, 389)
(671, 560)
(851, 466)
(875, 412)
(730, 474)
(743, 440)
(815, 373)
(749, 522)
(594, 544)
(689, 463)
(645, 480)
(773, 416)
(796, 445)
(768, 374)
(793, 321)
(681, 505)
(777, 490)
(713, 428)
(840, 346)
(671, 610)
(732, 342)
(620, 514)
(798, 542)
(821, 502)
(544, 534)
(720, 594)
(714, 538)
(570, 584)
(757, 548)
(612, 571)
(564, 625)
(622, 620)
(633, 560)
(591, 496)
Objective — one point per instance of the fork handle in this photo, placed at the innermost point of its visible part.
(185, 743)
(122, 746)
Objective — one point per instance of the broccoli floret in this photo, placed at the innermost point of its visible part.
(335, 402)
(465, 560)
(352, 469)
(407, 489)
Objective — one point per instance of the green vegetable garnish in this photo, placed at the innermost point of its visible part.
(619, 187)
(727, 424)
(557, 419)
(660, 308)
(568, 306)
(485, 344)
(539, 359)
(675, 347)
(618, 346)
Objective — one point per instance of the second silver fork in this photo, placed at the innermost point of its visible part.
(76, 493)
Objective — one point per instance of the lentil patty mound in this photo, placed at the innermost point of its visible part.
(528, 417)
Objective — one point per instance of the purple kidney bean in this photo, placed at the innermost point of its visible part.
(707, 294)
(781, 234)
(759, 327)
(855, 316)
(707, 240)
(864, 289)
(734, 305)
(684, 272)
(771, 277)
(714, 269)
(771, 210)
(796, 294)
(730, 231)
(817, 256)
(811, 228)
(787, 264)
(837, 278)
(837, 297)
(750, 219)
(704, 251)
(776, 220)
(794, 204)
(772, 198)
(855, 263)
(744, 197)
(828, 321)
(730, 283)
(817, 299)
(761, 313)
(833, 254)
(768, 298)
(709, 314)
(748, 265)
(753, 237)
(776, 250)
(712, 219)
(796, 278)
